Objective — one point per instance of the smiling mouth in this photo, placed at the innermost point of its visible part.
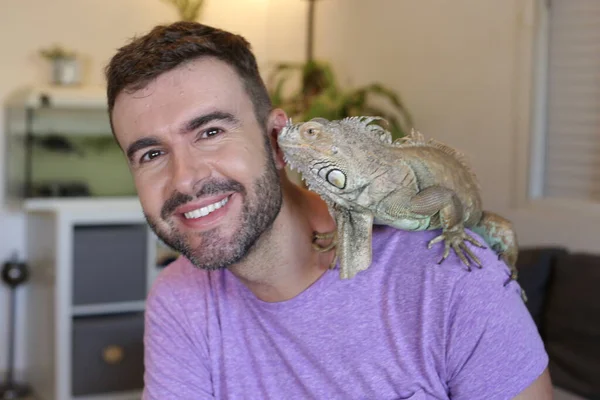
(204, 211)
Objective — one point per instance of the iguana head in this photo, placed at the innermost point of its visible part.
(333, 156)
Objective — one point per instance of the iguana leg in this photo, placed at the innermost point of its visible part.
(354, 242)
(447, 203)
(322, 249)
(498, 232)
(443, 202)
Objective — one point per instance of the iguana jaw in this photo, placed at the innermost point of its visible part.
(327, 191)
(315, 161)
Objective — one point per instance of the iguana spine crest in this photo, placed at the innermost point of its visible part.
(417, 139)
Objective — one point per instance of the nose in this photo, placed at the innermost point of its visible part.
(187, 171)
(282, 134)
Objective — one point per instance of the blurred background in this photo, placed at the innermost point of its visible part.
(513, 84)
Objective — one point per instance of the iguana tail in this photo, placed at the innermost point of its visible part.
(499, 234)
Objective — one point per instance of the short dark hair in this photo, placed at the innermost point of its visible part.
(167, 46)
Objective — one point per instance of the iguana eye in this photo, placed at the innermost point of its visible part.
(310, 132)
(337, 178)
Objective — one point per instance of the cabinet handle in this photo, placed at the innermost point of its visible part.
(112, 354)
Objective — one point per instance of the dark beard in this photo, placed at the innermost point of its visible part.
(260, 208)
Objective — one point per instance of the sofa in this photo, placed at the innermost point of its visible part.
(563, 290)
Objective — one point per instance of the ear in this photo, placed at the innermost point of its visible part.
(277, 120)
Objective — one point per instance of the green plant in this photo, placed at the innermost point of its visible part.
(57, 52)
(189, 10)
(319, 95)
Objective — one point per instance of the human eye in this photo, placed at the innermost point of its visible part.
(149, 155)
(210, 132)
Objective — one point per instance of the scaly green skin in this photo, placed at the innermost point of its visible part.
(409, 184)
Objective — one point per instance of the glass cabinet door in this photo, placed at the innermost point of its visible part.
(61, 147)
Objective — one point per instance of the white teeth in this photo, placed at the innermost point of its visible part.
(204, 211)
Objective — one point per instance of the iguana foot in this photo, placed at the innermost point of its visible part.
(333, 262)
(513, 277)
(514, 273)
(456, 241)
(523, 296)
(322, 249)
(321, 236)
(513, 270)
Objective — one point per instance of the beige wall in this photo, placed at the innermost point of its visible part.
(454, 64)
(461, 66)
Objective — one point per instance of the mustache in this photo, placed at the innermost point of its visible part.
(209, 188)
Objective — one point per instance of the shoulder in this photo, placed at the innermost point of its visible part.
(406, 254)
(449, 287)
(491, 346)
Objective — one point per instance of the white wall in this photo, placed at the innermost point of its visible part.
(461, 66)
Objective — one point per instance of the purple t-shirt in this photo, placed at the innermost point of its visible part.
(406, 328)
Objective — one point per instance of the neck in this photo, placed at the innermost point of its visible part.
(283, 263)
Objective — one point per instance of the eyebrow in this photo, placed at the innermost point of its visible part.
(201, 120)
(141, 144)
(191, 125)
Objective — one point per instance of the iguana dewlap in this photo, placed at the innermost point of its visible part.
(410, 184)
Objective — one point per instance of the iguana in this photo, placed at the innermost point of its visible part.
(411, 184)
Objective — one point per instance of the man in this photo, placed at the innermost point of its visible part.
(251, 310)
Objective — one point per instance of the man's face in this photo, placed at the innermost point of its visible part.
(205, 176)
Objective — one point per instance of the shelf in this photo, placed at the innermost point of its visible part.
(110, 308)
(66, 97)
(129, 203)
(89, 210)
(133, 395)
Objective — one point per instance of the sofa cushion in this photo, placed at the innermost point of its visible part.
(535, 266)
(572, 324)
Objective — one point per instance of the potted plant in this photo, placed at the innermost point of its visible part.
(189, 10)
(65, 65)
(321, 96)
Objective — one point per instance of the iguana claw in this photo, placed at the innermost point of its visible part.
(333, 262)
(456, 240)
(319, 236)
(322, 249)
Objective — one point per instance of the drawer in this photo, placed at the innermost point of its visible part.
(107, 354)
(109, 263)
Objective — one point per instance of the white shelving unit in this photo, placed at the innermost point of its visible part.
(92, 258)
(77, 345)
